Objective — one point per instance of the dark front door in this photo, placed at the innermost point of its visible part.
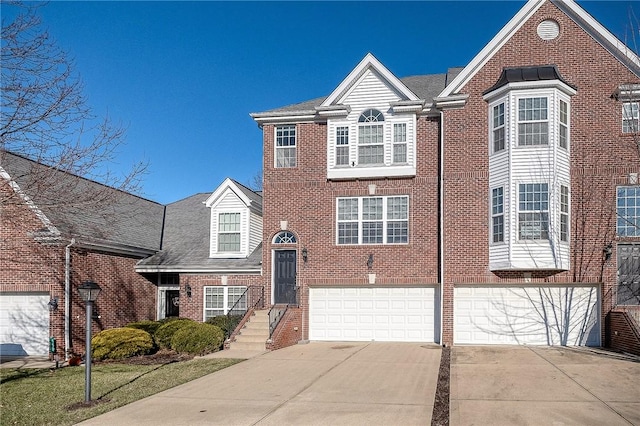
(172, 303)
(284, 278)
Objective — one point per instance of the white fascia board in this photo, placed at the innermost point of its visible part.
(347, 173)
(452, 101)
(531, 85)
(334, 111)
(227, 184)
(29, 202)
(369, 61)
(197, 270)
(284, 118)
(603, 36)
(491, 48)
(407, 106)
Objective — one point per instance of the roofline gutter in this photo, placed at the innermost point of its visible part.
(196, 270)
(117, 249)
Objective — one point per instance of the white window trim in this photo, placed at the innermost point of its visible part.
(549, 120)
(385, 221)
(492, 216)
(567, 124)
(238, 232)
(620, 217)
(504, 126)
(567, 214)
(549, 211)
(276, 147)
(215, 231)
(225, 297)
(635, 117)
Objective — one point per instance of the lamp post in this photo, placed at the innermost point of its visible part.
(89, 293)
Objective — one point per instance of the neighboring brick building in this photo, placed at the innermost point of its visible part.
(58, 230)
(491, 204)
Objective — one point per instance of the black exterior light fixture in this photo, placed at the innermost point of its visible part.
(607, 251)
(305, 254)
(89, 292)
(370, 261)
(53, 304)
(187, 290)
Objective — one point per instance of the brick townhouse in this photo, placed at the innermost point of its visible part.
(496, 203)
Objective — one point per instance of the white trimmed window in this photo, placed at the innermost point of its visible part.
(564, 125)
(497, 215)
(220, 299)
(533, 121)
(371, 137)
(564, 213)
(400, 143)
(373, 220)
(533, 211)
(498, 128)
(628, 211)
(228, 232)
(285, 146)
(342, 146)
(630, 117)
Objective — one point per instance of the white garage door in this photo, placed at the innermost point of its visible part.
(548, 315)
(24, 324)
(378, 313)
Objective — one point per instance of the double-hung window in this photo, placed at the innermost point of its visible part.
(400, 143)
(371, 137)
(630, 117)
(228, 232)
(497, 215)
(533, 121)
(498, 128)
(342, 146)
(219, 300)
(286, 146)
(564, 213)
(373, 220)
(533, 211)
(628, 211)
(564, 125)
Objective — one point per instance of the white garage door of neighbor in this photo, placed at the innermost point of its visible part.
(24, 324)
(545, 315)
(385, 314)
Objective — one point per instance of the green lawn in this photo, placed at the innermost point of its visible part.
(44, 397)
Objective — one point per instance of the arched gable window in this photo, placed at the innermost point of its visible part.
(284, 237)
(371, 137)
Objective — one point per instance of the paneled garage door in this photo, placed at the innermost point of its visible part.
(547, 315)
(378, 313)
(24, 324)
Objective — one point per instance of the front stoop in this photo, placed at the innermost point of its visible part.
(254, 334)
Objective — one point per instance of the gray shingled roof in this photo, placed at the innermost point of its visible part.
(87, 210)
(186, 239)
(425, 87)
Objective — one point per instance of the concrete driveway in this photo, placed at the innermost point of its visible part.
(316, 383)
(524, 385)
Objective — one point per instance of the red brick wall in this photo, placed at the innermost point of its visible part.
(304, 198)
(624, 333)
(288, 332)
(193, 307)
(601, 158)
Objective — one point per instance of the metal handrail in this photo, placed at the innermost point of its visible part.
(276, 313)
(250, 295)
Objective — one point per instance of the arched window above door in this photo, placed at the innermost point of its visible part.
(284, 237)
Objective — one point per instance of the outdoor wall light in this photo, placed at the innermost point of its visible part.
(607, 250)
(53, 304)
(305, 254)
(370, 261)
(187, 290)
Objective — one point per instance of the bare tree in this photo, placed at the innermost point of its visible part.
(255, 183)
(45, 115)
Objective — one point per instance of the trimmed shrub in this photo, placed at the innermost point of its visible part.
(165, 332)
(120, 343)
(197, 339)
(227, 324)
(148, 326)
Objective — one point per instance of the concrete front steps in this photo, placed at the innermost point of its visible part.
(254, 334)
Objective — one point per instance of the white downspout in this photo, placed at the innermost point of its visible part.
(67, 299)
(441, 227)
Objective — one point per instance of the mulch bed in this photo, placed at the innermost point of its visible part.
(163, 356)
(440, 416)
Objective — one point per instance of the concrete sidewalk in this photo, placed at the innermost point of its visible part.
(524, 385)
(28, 362)
(316, 383)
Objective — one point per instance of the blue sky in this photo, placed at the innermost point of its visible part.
(184, 76)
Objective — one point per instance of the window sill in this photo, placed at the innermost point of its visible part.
(371, 172)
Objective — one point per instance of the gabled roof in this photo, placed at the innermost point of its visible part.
(186, 242)
(94, 214)
(592, 27)
(369, 62)
(250, 198)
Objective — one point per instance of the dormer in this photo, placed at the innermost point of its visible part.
(371, 124)
(236, 220)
